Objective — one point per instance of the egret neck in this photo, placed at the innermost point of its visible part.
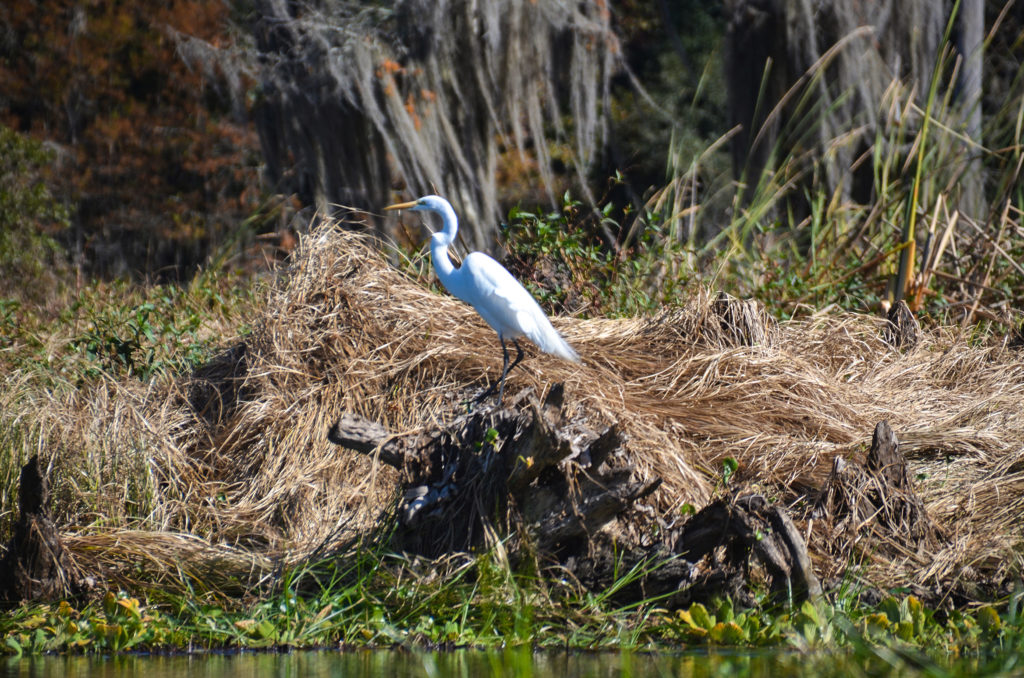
(439, 243)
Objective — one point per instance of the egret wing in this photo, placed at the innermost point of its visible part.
(507, 307)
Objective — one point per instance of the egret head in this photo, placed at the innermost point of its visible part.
(428, 203)
(433, 203)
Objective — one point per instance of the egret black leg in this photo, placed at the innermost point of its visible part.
(501, 382)
(505, 369)
(488, 391)
(519, 356)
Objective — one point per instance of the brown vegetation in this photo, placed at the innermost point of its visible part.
(242, 475)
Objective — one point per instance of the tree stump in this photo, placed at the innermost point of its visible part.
(505, 473)
(713, 555)
(731, 534)
(743, 322)
(877, 499)
(547, 489)
(902, 331)
(35, 564)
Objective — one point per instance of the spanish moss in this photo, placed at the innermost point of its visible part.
(354, 95)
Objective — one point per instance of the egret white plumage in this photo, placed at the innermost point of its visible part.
(488, 287)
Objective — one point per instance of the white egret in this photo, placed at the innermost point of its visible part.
(488, 287)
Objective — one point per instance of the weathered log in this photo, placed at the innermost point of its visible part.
(744, 527)
(541, 446)
(511, 473)
(35, 565)
(804, 583)
(606, 443)
(366, 437)
(711, 556)
(662, 574)
(590, 514)
(521, 477)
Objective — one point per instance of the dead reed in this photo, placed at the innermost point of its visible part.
(238, 476)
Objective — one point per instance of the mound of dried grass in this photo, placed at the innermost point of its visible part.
(239, 457)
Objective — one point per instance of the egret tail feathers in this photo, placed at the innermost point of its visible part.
(550, 341)
(566, 351)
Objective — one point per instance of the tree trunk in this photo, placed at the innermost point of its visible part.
(35, 564)
(971, 48)
(356, 99)
(798, 100)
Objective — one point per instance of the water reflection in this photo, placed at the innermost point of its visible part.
(458, 663)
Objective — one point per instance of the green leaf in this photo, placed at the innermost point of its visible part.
(13, 643)
(810, 611)
(988, 620)
(729, 466)
(725, 611)
(891, 607)
(700, 616)
(728, 633)
(265, 630)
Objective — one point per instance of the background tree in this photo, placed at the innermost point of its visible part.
(353, 94)
(30, 217)
(155, 163)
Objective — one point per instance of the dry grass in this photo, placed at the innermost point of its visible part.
(239, 473)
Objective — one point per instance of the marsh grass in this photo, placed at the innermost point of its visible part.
(222, 475)
(903, 213)
(77, 374)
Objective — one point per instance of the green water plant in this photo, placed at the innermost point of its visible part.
(386, 602)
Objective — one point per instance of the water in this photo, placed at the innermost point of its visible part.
(470, 664)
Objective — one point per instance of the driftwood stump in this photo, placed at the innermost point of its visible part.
(742, 322)
(498, 472)
(712, 555)
(35, 564)
(876, 499)
(547, 489)
(732, 534)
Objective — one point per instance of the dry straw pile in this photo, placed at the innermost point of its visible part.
(243, 478)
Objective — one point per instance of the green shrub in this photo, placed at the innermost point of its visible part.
(562, 259)
(32, 264)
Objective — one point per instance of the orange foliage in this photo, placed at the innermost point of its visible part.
(147, 145)
(391, 67)
(410, 108)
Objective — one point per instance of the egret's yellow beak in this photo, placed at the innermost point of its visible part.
(401, 206)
